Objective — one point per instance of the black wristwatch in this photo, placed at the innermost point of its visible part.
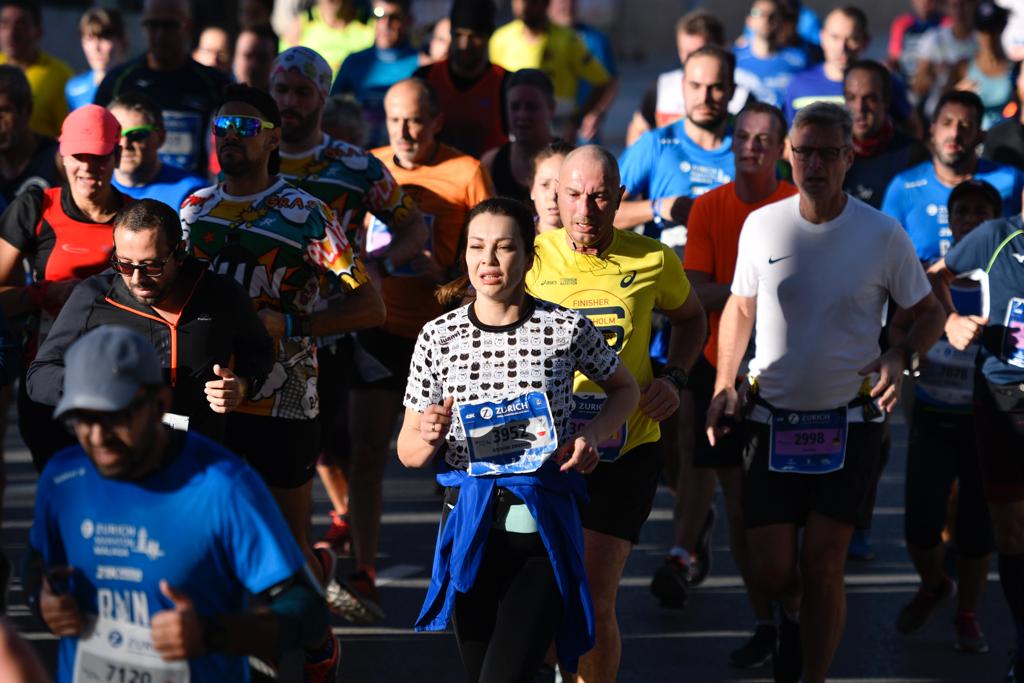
(676, 375)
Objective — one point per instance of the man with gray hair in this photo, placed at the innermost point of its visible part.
(813, 275)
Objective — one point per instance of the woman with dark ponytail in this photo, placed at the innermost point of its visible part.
(490, 390)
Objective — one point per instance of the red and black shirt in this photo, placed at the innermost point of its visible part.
(59, 240)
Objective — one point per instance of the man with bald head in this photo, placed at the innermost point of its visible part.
(445, 184)
(187, 92)
(617, 278)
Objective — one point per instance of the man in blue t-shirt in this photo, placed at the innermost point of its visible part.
(368, 74)
(763, 66)
(844, 37)
(140, 173)
(146, 542)
(917, 198)
(997, 248)
(668, 167)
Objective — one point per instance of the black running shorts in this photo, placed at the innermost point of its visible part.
(283, 451)
(845, 495)
(622, 493)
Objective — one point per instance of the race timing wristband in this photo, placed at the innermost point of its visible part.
(656, 211)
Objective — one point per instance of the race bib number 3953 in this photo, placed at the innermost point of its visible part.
(511, 436)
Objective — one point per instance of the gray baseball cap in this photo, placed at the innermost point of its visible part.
(105, 369)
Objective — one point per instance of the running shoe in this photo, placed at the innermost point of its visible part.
(702, 550)
(670, 581)
(328, 562)
(322, 667)
(338, 536)
(969, 637)
(356, 599)
(787, 660)
(916, 612)
(758, 650)
(860, 546)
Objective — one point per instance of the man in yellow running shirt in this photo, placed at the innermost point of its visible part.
(617, 278)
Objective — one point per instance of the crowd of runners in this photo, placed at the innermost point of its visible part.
(228, 271)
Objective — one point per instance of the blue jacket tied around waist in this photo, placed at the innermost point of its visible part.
(551, 497)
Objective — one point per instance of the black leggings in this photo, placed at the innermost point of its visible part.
(941, 449)
(506, 622)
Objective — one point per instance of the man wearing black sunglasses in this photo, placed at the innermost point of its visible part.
(197, 321)
(141, 174)
(186, 91)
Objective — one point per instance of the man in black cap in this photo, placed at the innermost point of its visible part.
(471, 89)
(135, 557)
(197, 320)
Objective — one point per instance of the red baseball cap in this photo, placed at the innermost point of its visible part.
(89, 130)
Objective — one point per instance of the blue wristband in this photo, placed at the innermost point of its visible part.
(288, 326)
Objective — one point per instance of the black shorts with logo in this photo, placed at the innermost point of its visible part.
(846, 495)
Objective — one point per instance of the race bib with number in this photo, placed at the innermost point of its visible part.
(513, 436)
(120, 652)
(1013, 336)
(585, 408)
(184, 143)
(807, 442)
(947, 375)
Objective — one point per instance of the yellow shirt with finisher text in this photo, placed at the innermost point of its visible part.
(617, 291)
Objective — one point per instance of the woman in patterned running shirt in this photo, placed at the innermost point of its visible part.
(490, 390)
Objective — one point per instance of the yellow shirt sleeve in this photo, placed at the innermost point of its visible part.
(586, 66)
(673, 285)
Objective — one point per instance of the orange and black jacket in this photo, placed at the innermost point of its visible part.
(216, 324)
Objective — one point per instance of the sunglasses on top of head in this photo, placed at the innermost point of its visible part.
(243, 126)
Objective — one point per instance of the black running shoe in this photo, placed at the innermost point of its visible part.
(787, 662)
(758, 650)
(669, 582)
(702, 550)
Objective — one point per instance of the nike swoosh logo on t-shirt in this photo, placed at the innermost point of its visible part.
(776, 260)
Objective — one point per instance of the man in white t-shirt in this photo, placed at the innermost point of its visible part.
(813, 275)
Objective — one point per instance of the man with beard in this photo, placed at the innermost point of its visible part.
(27, 159)
(196, 320)
(470, 88)
(880, 150)
(201, 527)
(141, 173)
(699, 145)
(918, 197)
(281, 244)
(186, 91)
(353, 183)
